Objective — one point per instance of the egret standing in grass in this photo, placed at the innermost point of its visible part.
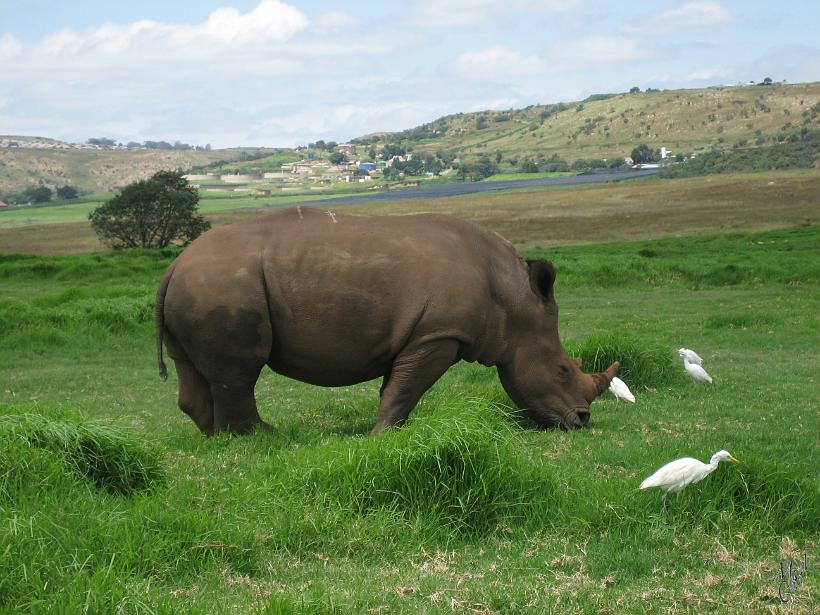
(675, 475)
(696, 372)
(620, 390)
(693, 356)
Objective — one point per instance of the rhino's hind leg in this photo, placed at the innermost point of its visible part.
(195, 396)
(235, 407)
(414, 371)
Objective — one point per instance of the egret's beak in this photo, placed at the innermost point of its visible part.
(733, 460)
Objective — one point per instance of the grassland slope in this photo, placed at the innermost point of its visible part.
(610, 126)
(95, 170)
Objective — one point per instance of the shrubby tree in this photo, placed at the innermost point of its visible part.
(480, 168)
(432, 164)
(67, 192)
(392, 149)
(643, 153)
(337, 158)
(151, 213)
(555, 164)
(101, 141)
(445, 157)
(37, 194)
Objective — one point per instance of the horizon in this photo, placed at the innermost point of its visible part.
(170, 71)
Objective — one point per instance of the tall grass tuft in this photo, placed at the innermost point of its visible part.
(643, 364)
(461, 471)
(111, 459)
(758, 491)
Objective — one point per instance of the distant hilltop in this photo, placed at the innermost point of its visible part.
(12, 141)
(24, 142)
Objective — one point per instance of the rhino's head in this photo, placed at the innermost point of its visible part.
(537, 373)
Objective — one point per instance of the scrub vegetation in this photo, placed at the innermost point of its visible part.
(111, 501)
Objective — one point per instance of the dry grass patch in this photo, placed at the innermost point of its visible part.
(554, 216)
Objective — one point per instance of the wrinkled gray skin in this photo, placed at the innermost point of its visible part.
(335, 300)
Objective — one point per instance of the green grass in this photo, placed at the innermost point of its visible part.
(110, 500)
(100, 453)
(209, 203)
(785, 257)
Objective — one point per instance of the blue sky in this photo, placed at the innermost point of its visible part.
(284, 73)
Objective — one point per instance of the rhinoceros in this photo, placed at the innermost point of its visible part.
(335, 300)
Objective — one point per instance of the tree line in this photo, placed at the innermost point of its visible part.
(798, 151)
(43, 194)
(163, 145)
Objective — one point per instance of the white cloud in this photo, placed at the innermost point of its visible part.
(697, 15)
(496, 104)
(591, 52)
(497, 62)
(10, 47)
(334, 21)
(708, 74)
(468, 13)
(228, 39)
(500, 62)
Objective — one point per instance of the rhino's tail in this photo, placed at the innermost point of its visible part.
(159, 319)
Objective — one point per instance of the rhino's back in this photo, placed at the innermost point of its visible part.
(345, 294)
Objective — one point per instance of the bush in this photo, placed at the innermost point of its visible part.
(151, 213)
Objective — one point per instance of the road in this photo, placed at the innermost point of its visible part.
(461, 188)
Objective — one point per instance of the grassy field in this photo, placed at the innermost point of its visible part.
(110, 500)
(209, 203)
(529, 217)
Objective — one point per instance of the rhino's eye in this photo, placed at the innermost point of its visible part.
(563, 372)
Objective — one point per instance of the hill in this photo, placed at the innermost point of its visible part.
(97, 170)
(604, 126)
(611, 125)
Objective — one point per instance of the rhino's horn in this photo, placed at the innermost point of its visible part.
(602, 379)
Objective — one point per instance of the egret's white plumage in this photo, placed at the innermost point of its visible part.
(620, 390)
(687, 353)
(696, 372)
(675, 475)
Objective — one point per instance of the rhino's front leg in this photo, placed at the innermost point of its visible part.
(415, 369)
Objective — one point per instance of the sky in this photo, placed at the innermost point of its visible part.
(283, 73)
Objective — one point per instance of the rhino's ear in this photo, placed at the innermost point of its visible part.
(578, 361)
(542, 277)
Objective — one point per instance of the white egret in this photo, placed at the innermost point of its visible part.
(696, 372)
(620, 390)
(675, 475)
(694, 357)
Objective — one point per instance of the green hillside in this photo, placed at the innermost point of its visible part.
(101, 170)
(611, 125)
